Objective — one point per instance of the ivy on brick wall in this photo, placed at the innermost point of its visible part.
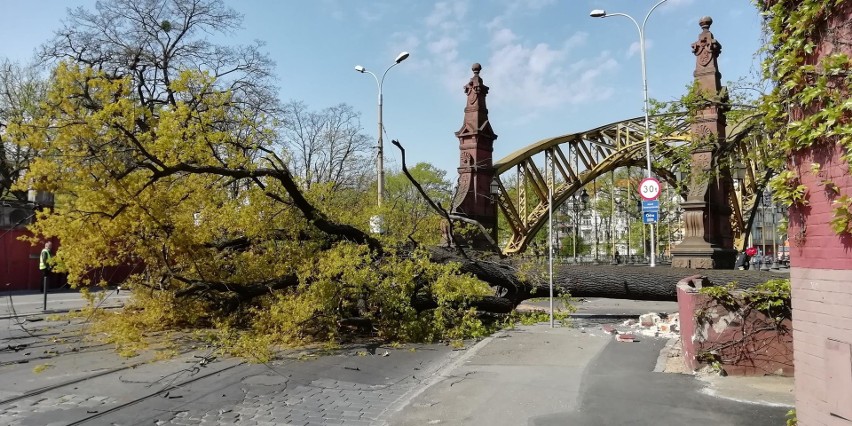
(810, 106)
(772, 299)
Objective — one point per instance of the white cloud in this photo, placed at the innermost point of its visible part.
(634, 47)
(502, 36)
(679, 3)
(539, 76)
(446, 16)
(370, 15)
(526, 6)
(445, 48)
(527, 76)
(576, 40)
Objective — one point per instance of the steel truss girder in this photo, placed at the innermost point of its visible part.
(600, 151)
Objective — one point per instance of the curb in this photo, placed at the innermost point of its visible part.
(438, 375)
(660, 366)
(604, 316)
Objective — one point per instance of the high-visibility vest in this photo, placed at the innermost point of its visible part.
(43, 259)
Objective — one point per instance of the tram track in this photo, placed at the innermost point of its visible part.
(147, 396)
(45, 389)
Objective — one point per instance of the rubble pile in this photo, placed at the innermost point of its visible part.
(651, 324)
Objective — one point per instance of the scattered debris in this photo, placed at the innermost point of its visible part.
(649, 320)
(629, 338)
(652, 324)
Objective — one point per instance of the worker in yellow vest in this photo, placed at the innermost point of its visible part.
(44, 263)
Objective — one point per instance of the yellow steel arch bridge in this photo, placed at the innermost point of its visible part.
(580, 158)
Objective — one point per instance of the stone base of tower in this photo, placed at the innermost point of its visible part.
(701, 255)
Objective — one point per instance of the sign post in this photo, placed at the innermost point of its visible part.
(649, 191)
(649, 217)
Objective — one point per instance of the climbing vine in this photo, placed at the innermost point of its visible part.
(809, 106)
(755, 332)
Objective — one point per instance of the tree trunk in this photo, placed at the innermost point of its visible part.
(617, 282)
(501, 274)
(643, 282)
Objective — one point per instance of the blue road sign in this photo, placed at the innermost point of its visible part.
(650, 217)
(651, 205)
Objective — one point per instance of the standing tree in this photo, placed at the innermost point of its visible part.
(407, 215)
(327, 146)
(21, 92)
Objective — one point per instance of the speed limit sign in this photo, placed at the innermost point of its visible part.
(649, 189)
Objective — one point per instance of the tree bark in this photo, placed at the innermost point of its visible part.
(643, 282)
(500, 274)
(612, 281)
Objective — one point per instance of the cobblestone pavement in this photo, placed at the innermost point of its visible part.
(322, 402)
(52, 375)
(265, 401)
(15, 413)
(51, 378)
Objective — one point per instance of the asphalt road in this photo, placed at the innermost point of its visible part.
(619, 387)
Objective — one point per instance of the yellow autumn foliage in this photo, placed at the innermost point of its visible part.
(187, 189)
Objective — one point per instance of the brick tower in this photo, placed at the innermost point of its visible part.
(476, 144)
(708, 238)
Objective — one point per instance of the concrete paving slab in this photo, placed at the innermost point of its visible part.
(533, 369)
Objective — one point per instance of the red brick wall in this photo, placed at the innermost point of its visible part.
(813, 244)
(18, 262)
(822, 313)
(821, 274)
(758, 353)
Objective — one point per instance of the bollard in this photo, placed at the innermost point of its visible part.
(44, 290)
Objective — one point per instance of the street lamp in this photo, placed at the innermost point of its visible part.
(774, 209)
(598, 13)
(576, 202)
(380, 162)
(765, 199)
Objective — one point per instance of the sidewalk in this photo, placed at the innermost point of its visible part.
(539, 375)
(28, 303)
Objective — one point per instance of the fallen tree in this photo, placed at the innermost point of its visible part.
(643, 282)
(163, 149)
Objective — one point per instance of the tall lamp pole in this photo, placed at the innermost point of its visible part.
(598, 13)
(575, 205)
(380, 159)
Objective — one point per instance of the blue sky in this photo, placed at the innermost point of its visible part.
(551, 68)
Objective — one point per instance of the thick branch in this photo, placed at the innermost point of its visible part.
(244, 291)
(441, 211)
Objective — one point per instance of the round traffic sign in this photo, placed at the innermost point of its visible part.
(649, 189)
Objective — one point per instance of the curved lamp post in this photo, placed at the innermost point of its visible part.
(380, 161)
(598, 13)
(576, 202)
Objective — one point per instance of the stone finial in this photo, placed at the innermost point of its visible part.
(475, 89)
(706, 49)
